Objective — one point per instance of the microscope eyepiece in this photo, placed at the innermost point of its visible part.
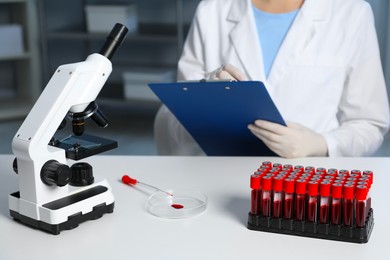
(114, 40)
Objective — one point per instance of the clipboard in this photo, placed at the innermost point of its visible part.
(217, 113)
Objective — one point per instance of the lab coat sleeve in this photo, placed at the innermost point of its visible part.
(364, 108)
(171, 137)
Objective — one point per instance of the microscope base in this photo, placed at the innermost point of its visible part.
(65, 213)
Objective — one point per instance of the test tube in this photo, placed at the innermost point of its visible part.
(312, 205)
(300, 199)
(255, 183)
(288, 201)
(337, 192)
(266, 192)
(361, 205)
(324, 202)
(277, 185)
(348, 204)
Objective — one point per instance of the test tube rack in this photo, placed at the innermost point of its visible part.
(314, 229)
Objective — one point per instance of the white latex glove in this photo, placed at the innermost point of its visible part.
(292, 141)
(226, 72)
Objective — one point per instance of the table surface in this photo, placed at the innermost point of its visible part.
(220, 232)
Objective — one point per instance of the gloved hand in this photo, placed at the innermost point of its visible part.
(228, 72)
(292, 141)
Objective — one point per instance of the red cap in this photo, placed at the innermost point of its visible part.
(300, 186)
(288, 185)
(337, 190)
(349, 191)
(267, 183)
(267, 163)
(356, 172)
(321, 169)
(299, 168)
(325, 189)
(278, 165)
(312, 188)
(369, 174)
(255, 181)
(361, 192)
(277, 183)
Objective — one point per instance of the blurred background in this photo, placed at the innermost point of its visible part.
(37, 36)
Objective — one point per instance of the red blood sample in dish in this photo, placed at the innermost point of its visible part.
(177, 206)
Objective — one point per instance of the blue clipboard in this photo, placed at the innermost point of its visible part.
(217, 114)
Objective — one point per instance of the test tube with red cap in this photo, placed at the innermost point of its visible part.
(266, 193)
(277, 185)
(361, 205)
(300, 199)
(337, 193)
(288, 200)
(348, 204)
(324, 202)
(255, 183)
(312, 205)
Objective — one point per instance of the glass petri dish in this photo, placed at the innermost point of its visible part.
(183, 204)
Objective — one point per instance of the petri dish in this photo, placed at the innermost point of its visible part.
(183, 204)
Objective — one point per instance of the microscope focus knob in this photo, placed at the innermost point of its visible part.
(55, 173)
(82, 174)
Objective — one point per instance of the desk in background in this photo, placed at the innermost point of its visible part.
(220, 232)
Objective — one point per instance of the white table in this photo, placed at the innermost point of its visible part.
(220, 232)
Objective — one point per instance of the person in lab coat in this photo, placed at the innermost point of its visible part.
(319, 60)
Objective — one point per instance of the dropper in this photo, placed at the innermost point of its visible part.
(131, 181)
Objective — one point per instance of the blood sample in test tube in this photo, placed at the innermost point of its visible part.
(348, 204)
(312, 205)
(300, 199)
(255, 193)
(324, 202)
(277, 186)
(266, 193)
(337, 192)
(361, 205)
(288, 200)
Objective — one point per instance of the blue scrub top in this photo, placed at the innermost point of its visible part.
(271, 29)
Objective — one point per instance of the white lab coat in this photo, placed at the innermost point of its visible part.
(326, 76)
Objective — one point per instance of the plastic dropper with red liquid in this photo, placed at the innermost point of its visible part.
(131, 181)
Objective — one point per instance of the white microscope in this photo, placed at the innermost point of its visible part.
(52, 195)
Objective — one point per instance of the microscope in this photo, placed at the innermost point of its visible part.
(54, 196)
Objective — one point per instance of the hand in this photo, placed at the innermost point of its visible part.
(228, 72)
(292, 141)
